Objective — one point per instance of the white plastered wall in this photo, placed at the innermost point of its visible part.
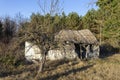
(32, 51)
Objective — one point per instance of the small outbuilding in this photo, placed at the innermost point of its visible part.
(75, 43)
(85, 43)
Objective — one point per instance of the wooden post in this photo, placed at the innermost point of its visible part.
(80, 52)
(87, 51)
(100, 35)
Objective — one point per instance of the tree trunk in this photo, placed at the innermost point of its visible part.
(41, 66)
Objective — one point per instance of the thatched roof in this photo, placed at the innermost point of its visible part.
(76, 36)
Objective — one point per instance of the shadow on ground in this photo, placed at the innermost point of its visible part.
(107, 50)
(7, 71)
(56, 76)
(28, 67)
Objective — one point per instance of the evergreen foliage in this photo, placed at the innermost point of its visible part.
(41, 29)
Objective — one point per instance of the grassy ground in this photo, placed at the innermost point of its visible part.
(100, 69)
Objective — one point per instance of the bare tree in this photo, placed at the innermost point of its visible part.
(41, 35)
(50, 7)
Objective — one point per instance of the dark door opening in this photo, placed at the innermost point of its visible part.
(77, 49)
(83, 53)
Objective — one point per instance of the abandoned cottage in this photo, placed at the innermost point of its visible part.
(76, 43)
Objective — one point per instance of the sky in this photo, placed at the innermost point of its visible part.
(27, 7)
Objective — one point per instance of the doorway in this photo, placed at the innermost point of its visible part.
(77, 49)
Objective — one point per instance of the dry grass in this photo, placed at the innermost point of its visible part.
(99, 69)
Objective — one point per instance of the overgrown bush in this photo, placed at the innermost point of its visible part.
(11, 56)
